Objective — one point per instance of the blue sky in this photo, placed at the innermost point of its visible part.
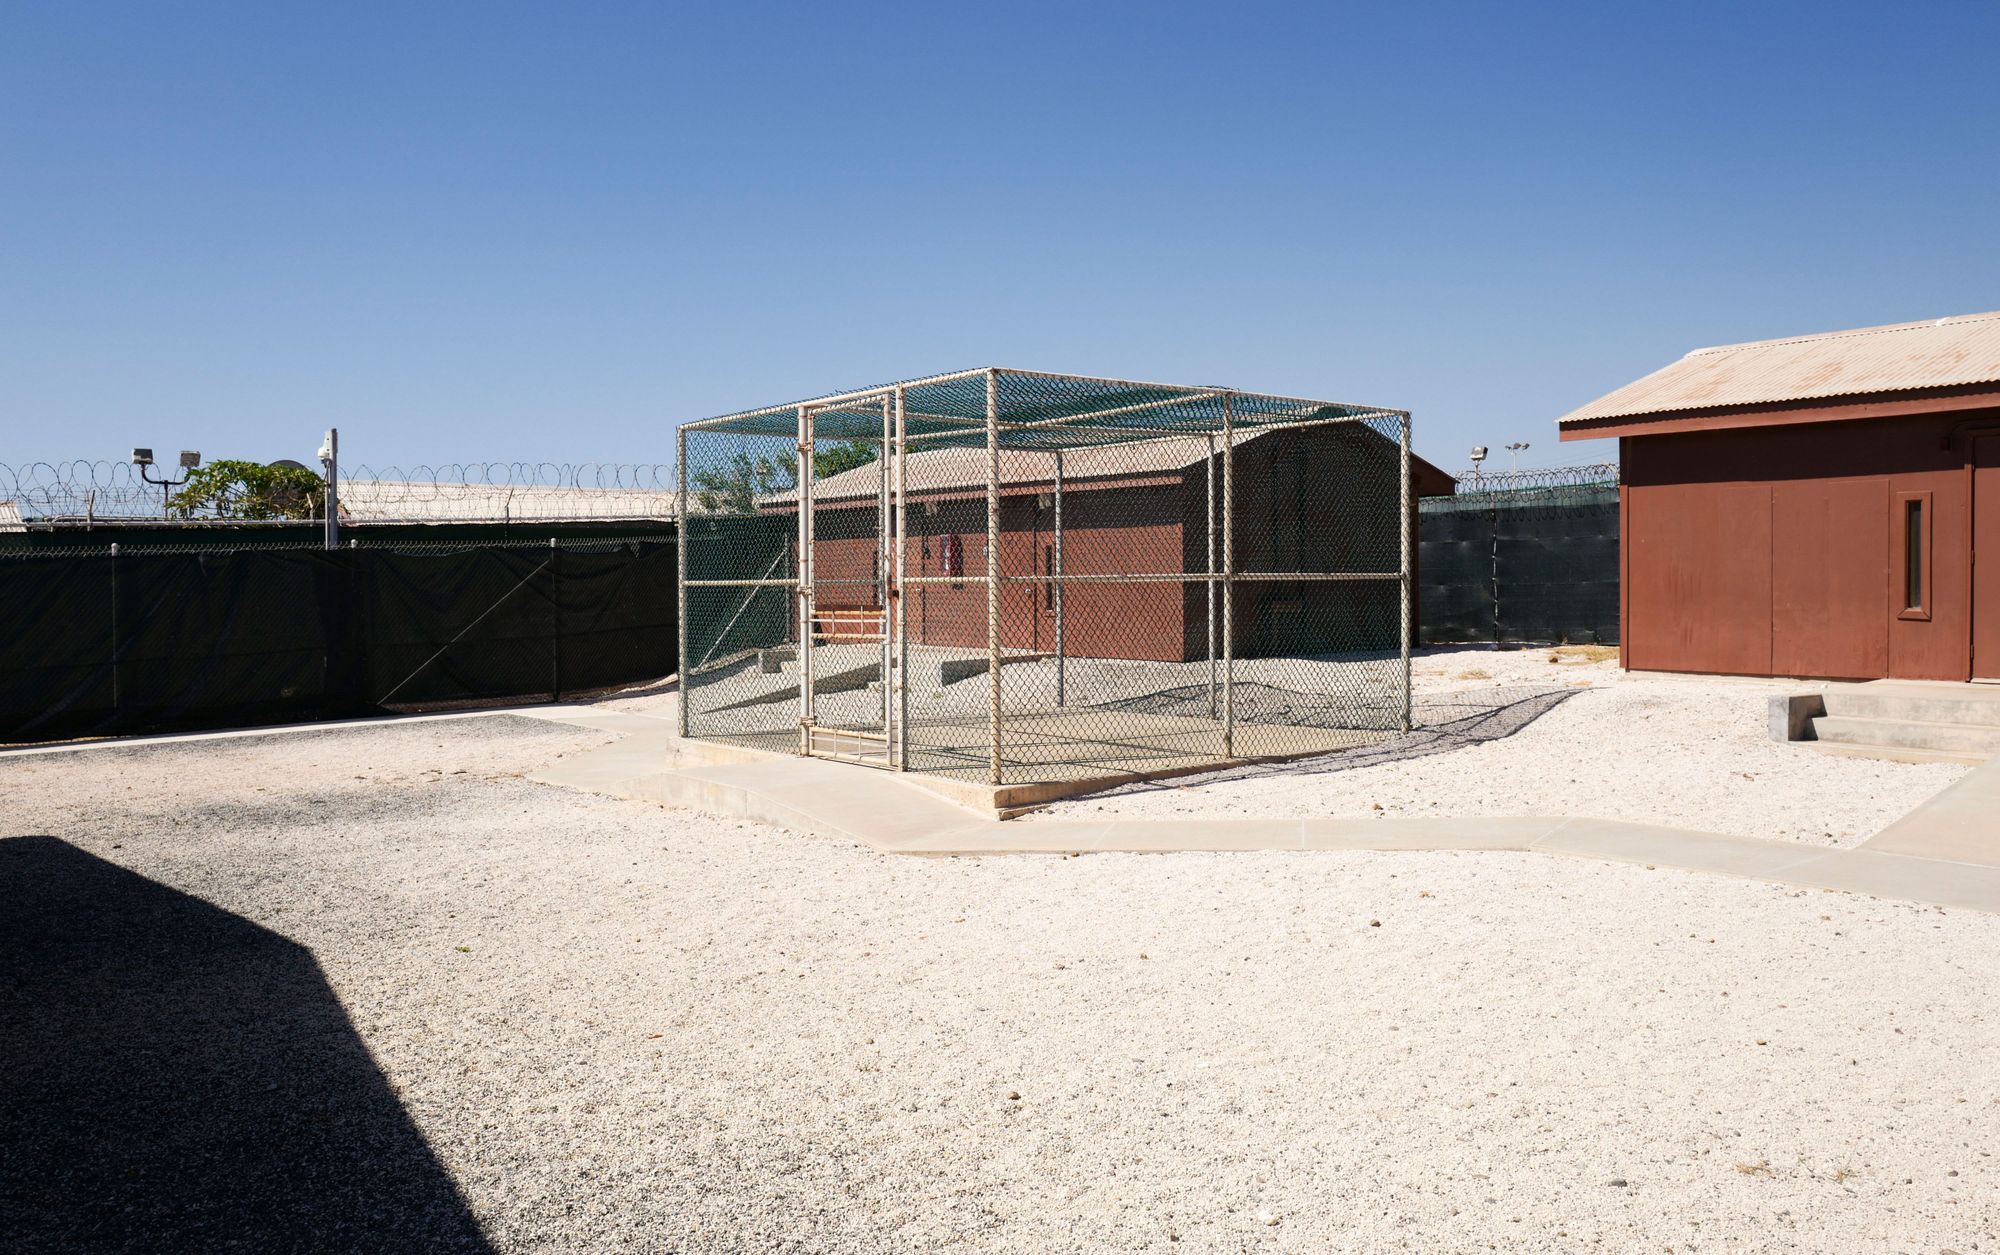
(551, 232)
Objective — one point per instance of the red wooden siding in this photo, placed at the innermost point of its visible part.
(1777, 550)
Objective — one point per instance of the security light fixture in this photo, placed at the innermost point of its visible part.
(1515, 449)
(1478, 454)
(143, 459)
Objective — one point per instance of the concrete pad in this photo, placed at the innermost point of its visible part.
(990, 837)
(1895, 876)
(1157, 835)
(895, 814)
(1619, 842)
(1960, 824)
(1425, 833)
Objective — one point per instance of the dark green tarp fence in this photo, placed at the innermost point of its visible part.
(1533, 565)
(94, 645)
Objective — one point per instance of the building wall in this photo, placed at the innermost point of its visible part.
(1119, 530)
(1777, 550)
(1309, 499)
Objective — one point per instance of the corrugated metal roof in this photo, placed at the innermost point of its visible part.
(1897, 358)
(938, 470)
(964, 467)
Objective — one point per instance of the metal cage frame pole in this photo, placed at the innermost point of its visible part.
(1062, 654)
(1228, 576)
(900, 674)
(681, 568)
(994, 772)
(1209, 583)
(882, 572)
(1404, 522)
(806, 616)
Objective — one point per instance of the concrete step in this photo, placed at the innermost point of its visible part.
(1959, 704)
(1916, 734)
(1896, 753)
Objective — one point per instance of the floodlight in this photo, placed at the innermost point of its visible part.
(1478, 454)
(190, 458)
(142, 457)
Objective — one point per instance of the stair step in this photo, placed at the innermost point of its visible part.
(1915, 705)
(1895, 753)
(1917, 734)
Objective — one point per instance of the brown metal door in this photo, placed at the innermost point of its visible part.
(1986, 558)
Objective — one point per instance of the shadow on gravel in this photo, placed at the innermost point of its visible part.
(176, 1078)
(1444, 722)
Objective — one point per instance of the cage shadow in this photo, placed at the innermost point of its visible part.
(1443, 722)
(179, 1078)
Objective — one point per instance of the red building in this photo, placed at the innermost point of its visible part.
(1812, 506)
(1307, 500)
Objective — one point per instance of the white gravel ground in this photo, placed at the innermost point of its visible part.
(1690, 752)
(627, 1029)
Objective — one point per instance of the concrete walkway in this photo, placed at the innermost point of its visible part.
(1946, 852)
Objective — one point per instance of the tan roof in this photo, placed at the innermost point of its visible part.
(935, 470)
(1897, 358)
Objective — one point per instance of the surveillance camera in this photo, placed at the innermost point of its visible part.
(190, 458)
(325, 453)
(142, 457)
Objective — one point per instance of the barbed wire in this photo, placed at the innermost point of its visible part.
(86, 493)
(1584, 475)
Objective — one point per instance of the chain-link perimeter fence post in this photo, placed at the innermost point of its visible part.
(1062, 653)
(115, 694)
(332, 468)
(681, 565)
(883, 536)
(1405, 520)
(1228, 576)
(994, 772)
(555, 618)
(1209, 527)
(805, 480)
(900, 675)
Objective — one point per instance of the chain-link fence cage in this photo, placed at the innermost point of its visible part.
(1015, 578)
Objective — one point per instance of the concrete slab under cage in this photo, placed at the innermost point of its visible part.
(1063, 754)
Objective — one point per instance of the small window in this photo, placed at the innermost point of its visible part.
(1913, 554)
(1912, 581)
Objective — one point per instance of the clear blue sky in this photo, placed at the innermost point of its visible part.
(551, 232)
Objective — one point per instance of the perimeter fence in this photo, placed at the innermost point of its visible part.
(1521, 557)
(166, 635)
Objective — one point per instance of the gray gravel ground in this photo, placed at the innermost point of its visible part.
(1684, 751)
(620, 1028)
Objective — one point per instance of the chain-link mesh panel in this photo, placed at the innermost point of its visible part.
(740, 539)
(1063, 578)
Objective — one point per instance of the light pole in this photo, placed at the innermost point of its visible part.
(143, 459)
(329, 460)
(1515, 449)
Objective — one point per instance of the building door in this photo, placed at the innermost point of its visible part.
(1986, 557)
